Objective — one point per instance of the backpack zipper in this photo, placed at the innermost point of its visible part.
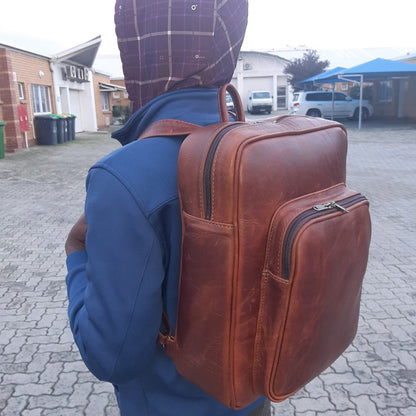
(312, 213)
(207, 177)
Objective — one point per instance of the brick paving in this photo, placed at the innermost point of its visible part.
(41, 195)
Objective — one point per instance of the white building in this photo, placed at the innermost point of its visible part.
(73, 86)
(263, 71)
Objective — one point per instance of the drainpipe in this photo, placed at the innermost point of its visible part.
(56, 93)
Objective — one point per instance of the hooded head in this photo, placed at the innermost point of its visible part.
(167, 45)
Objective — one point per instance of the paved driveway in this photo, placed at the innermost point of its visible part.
(41, 195)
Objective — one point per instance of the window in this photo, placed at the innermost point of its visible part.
(385, 91)
(126, 95)
(105, 104)
(41, 99)
(281, 97)
(340, 97)
(116, 95)
(258, 95)
(344, 86)
(319, 96)
(21, 91)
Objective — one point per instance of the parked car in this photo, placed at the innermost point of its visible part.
(259, 101)
(229, 102)
(329, 104)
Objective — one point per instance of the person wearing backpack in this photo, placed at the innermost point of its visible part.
(124, 252)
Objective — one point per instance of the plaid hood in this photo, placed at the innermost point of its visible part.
(167, 45)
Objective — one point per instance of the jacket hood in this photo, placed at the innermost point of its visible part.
(167, 45)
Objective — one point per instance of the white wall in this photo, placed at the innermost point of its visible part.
(75, 98)
(260, 71)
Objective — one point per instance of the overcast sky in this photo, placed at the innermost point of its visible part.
(51, 26)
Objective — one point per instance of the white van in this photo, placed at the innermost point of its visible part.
(259, 101)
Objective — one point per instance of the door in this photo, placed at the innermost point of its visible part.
(342, 107)
(282, 97)
(75, 109)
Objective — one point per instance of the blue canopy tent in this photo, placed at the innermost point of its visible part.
(330, 74)
(377, 69)
(380, 68)
(374, 70)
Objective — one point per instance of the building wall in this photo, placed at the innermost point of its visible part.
(120, 97)
(409, 88)
(402, 103)
(337, 86)
(409, 101)
(261, 71)
(104, 117)
(19, 67)
(75, 95)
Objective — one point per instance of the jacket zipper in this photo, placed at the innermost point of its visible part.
(207, 177)
(312, 213)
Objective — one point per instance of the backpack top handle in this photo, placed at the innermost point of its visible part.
(238, 113)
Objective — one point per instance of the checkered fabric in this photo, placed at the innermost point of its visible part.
(166, 45)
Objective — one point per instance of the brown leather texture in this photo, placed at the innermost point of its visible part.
(242, 329)
(169, 127)
(313, 314)
(238, 113)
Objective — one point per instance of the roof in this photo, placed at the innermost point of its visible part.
(105, 87)
(16, 49)
(323, 75)
(381, 68)
(267, 54)
(375, 69)
(83, 54)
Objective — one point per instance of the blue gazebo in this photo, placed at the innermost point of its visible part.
(375, 70)
(330, 74)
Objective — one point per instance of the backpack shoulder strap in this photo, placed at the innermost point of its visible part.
(172, 128)
(169, 128)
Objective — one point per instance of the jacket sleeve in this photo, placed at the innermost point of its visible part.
(114, 288)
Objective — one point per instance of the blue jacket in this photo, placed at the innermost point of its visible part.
(129, 273)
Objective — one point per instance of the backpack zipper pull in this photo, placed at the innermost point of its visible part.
(329, 205)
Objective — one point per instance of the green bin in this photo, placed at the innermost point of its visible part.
(2, 124)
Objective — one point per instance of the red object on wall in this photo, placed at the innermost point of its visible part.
(23, 118)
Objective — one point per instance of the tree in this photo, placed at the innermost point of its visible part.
(367, 92)
(305, 67)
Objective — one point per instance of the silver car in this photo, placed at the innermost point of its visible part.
(329, 104)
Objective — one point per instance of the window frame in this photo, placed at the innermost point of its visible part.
(281, 98)
(21, 90)
(105, 99)
(41, 99)
(340, 96)
(385, 91)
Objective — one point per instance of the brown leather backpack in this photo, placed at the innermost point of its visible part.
(274, 251)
